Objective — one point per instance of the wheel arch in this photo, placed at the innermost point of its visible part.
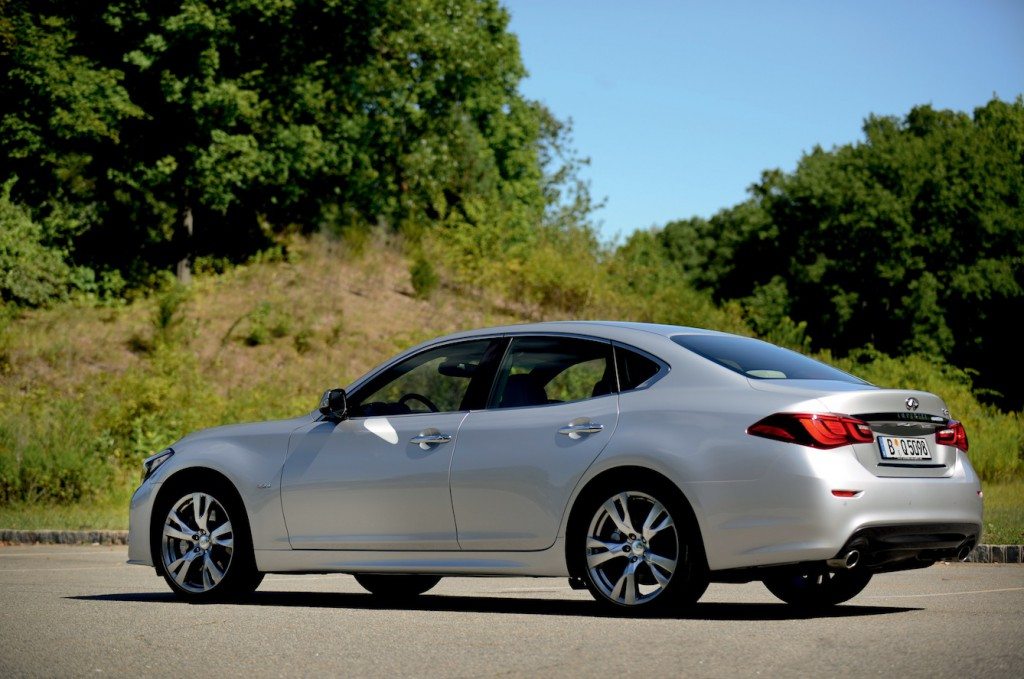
(174, 482)
(615, 475)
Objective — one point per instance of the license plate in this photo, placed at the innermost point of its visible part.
(899, 448)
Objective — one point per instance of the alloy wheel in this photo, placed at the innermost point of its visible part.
(632, 548)
(197, 542)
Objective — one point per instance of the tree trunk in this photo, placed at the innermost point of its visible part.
(184, 269)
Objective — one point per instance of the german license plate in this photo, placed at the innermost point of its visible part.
(900, 448)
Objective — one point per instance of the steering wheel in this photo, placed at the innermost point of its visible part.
(412, 396)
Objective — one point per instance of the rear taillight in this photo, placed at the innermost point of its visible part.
(953, 434)
(809, 429)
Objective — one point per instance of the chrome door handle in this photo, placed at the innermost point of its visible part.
(430, 439)
(576, 430)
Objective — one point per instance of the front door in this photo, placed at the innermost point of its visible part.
(553, 410)
(379, 479)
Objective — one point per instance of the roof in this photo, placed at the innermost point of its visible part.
(598, 328)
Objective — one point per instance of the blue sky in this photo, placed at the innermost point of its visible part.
(681, 105)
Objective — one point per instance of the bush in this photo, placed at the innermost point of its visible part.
(47, 452)
(264, 323)
(141, 411)
(423, 276)
(30, 272)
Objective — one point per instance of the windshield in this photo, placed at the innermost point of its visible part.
(760, 360)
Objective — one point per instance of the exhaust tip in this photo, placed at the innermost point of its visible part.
(845, 561)
(964, 551)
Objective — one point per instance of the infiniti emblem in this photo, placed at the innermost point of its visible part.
(912, 403)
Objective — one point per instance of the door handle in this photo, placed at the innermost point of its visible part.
(427, 440)
(574, 431)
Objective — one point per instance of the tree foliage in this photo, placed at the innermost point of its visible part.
(131, 123)
(911, 242)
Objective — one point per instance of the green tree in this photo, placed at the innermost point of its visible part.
(209, 124)
(911, 241)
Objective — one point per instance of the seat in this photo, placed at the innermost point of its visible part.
(521, 391)
(605, 385)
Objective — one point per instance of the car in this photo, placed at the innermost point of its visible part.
(640, 461)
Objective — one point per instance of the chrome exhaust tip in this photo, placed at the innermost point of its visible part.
(845, 561)
(964, 551)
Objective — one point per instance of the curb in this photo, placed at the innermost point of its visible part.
(63, 537)
(980, 554)
(996, 554)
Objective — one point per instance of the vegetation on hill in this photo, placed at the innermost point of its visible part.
(88, 390)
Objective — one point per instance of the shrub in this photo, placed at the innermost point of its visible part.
(423, 276)
(30, 272)
(266, 322)
(303, 340)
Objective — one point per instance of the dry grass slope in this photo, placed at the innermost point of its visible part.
(315, 320)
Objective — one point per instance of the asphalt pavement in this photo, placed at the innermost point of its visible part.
(77, 611)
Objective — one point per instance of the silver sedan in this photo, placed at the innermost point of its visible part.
(639, 461)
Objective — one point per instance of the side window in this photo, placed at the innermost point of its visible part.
(543, 370)
(634, 368)
(436, 380)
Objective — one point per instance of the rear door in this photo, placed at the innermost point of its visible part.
(552, 410)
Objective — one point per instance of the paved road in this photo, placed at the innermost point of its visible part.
(81, 611)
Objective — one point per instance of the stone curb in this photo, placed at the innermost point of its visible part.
(980, 554)
(64, 537)
(997, 554)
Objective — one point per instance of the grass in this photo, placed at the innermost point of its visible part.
(1004, 513)
(110, 514)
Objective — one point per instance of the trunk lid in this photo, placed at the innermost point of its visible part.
(905, 419)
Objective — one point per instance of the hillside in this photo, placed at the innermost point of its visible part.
(87, 390)
(313, 319)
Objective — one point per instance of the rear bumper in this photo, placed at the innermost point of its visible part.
(899, 547)
(790, 515)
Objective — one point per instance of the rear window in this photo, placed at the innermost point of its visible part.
(634, 369)
(760, 360)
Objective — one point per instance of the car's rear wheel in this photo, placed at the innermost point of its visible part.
(397, 587)
(202, 540)
(818, 587)
(637, 549)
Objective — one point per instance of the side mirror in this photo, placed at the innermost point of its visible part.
(334, 405)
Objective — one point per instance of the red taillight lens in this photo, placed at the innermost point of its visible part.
(809, 429)
(954, 435)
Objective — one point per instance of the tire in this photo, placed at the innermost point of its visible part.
(818, 587)
(660, 568)
(397, 587)
(201, 540)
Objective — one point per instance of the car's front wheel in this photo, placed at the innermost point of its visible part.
(202, 541)
(397, 587)
(818, 587)
(638, 549)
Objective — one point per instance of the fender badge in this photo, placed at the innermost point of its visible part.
(263, 485)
